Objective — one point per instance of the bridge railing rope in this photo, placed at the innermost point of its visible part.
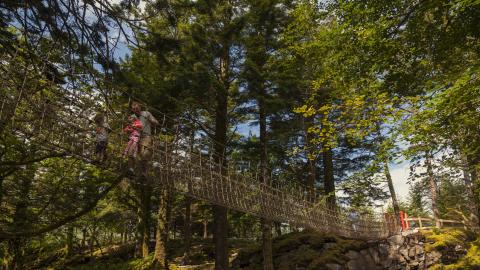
(60, 120)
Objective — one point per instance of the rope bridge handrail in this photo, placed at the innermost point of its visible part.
(428, 223)
(44, 119)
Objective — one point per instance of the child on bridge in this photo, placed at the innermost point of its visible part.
(134, 128)
(101, 135)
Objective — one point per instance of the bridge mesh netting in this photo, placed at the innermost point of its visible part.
(59, 118)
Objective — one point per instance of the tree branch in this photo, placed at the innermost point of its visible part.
(4, 235)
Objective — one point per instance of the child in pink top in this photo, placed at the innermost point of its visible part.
(134, 129)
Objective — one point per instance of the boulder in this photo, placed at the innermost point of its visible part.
(396, 240)
(387, 263)
(383, 250)
(357, 265)
(432, 258)
(404, 252)
(375, 255)
(352, 254)
(411, 252)
(333, 266)
(329, 245)
(418, 250)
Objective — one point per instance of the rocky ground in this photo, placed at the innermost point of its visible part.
(438, 249)
(449, 249)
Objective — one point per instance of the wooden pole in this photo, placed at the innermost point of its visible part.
(402, 219)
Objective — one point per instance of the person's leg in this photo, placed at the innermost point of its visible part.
(102, 150)
(145, 154)
(145, 148)
(126, 152)
(99, 149)
(134, 148)
(131, 159)
(105, 152)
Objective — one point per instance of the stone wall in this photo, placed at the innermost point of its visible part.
(312, 251)
(397, 252)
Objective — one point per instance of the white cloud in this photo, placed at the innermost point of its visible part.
(399, 174)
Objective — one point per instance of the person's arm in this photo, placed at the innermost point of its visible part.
(127, 129)
(107, 128)
(152, 119)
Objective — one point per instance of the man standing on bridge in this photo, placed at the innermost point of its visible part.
(148, 120)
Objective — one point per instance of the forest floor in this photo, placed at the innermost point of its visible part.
(306, 250)
(120, 257)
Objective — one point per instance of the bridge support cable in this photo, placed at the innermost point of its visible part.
(61, 121)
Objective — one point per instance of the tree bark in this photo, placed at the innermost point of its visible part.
(220, 225)
(70, 239)
(15, 247)
(220, 237)
(264, 178)
(393, 195)
(278, 228)
(471, 178)
(160, 255)
(311, 162)
(433, 187)
(205, 229)
(187, 230)
(84, 238)
(328, 177)
(143, 229)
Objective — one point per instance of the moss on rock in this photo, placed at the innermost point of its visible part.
(306, 249)
(457, 242)
(441, 239)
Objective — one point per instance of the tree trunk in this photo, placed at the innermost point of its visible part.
(264, 178)
(220, 225)
(13, 255)
(187, 230)
(14, 258)
(328, 177)
(84, 238)
(396, 208)
(2, 178)
(433, 187)
(70, 239)
(278, 228)
(125, 233)
(471, 178)
(311, 162)
(267, 245)
(91, 241)
(220, 237)
(160, 255)
(205, 229)
(144, 218)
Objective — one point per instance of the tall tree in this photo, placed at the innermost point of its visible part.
(262, 21)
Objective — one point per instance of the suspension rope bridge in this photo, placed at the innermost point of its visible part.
(59, 119)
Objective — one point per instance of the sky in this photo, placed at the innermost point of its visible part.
(399, 174)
